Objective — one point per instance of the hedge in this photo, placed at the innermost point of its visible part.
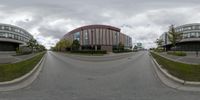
(177, 53)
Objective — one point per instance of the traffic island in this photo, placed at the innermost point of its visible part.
(173, 81)
(18, 75)
(186, 72)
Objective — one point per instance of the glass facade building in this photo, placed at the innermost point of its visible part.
(190, 38)
(99, 37)
(12, 36)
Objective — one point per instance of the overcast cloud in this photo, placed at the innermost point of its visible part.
(143, 20)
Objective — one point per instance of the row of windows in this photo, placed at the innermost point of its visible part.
(9, 28)
(77, 36)
(191, 35)
(128, 41)
(188, 47)
(165, 38)
(13, 36)
(195, 27)
(100, 36)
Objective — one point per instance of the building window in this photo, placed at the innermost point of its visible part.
(100, 36)
(15, 37)
(198, 34)
(9, 28)
(77, 36)
(185, 35)
(192, 35)
(115, 39)
(3, 35)
(85, 37)
(12, 35)
(193, 27)
(97, 36)
(6, 28)
(2, 27)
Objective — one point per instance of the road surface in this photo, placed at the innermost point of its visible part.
(131, 78)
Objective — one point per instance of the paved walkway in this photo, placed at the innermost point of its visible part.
(10, 58)
(190, 58)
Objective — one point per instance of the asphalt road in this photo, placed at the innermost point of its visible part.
(131, 78)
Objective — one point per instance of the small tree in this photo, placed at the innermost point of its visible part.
(62, 45)
(75, 45)
(120, 46)
(65, 44)
(40, 48)
(174, 37)
(32, 43)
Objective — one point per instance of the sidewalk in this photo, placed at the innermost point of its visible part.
(190, 58)
(9, 58)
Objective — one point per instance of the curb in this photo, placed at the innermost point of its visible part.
(24, 80)
(173, 78)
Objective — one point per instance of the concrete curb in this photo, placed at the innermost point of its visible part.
(175, 79)
(25, 80)
(172, 81)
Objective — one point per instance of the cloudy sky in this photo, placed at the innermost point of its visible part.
(143, 20)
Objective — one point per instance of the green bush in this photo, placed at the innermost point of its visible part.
(177, 53)
(23, 50)
(90, 52)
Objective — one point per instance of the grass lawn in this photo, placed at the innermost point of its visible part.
(183, 71)
(9, 72)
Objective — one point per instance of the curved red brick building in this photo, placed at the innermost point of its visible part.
(99, 37)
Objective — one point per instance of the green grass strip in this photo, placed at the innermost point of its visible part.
(183, 71)
(9, 72)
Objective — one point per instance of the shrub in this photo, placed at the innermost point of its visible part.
(177, 53)
(23, 50)
(75, 45)
(159, 50)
